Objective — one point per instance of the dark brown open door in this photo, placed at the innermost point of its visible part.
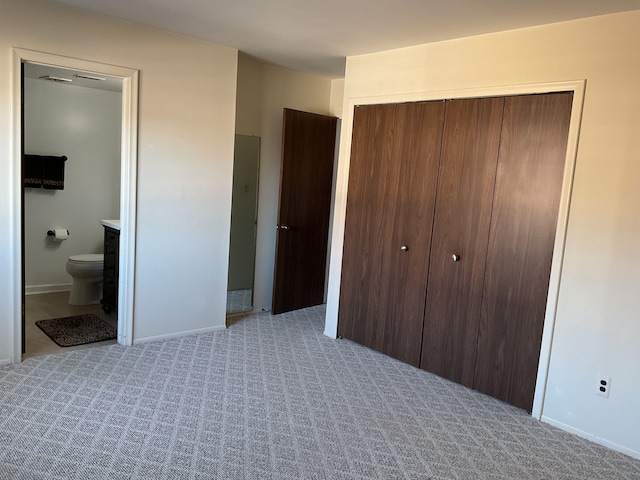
(306, 175)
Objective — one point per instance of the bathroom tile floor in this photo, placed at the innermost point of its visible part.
(53, 305)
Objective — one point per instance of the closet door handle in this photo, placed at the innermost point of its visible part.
(282, 227)
(455, 257)
(404, 248)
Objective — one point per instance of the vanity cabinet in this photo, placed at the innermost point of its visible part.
(110, 276)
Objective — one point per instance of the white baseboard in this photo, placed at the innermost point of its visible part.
(595, 439)
(37, 289)
(5, 361)
(170, 336)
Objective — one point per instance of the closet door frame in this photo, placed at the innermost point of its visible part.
(337, 239)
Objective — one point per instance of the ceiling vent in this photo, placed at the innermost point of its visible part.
(51, 78)
(89, 77)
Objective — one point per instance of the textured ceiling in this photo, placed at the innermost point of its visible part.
(315, 36)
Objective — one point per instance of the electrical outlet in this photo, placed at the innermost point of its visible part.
(604, 385)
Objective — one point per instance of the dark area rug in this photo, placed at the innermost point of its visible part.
(77, 330)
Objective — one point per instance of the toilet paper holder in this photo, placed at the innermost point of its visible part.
(51, 233)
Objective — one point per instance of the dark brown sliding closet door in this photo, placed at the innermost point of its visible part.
(461, 228)
(392, 179)
(523, 226)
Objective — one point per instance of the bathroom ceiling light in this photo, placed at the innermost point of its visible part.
(89, 77)
(55, 79)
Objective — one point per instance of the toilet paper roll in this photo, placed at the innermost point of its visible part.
(60, 234)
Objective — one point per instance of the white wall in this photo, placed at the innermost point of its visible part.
(83, 124)
(185, 156)
(337, 97)
(596, 327)
(263, 91)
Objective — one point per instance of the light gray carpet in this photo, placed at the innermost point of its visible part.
(270, 398)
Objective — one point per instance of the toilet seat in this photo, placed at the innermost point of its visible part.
(87, 258)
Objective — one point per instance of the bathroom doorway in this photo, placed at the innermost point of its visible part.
(99, 181)
(72, 131)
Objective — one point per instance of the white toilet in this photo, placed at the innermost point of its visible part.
(86, 271)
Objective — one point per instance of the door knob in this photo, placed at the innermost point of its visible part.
(455, 258)
(404, 248)
(282, 227)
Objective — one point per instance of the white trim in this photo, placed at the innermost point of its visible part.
(52, 288)
(336, 158)
(171, 336)
(558, 249)
(128, 189)
(16, 207)
(335, 270)
(591, 437)
(128, 208)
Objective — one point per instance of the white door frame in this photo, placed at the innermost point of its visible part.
(128, 183)
(335, 270)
